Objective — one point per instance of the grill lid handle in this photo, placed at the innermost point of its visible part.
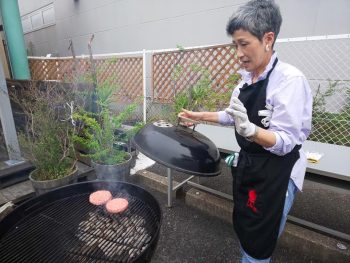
(187, 122)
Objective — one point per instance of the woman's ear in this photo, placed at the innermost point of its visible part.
(269, 38)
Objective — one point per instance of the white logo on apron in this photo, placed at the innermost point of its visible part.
(267, 114)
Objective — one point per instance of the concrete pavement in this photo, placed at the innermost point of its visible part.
(306, 245)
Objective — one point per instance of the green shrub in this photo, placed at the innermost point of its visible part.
(47, 137)
(96, 131)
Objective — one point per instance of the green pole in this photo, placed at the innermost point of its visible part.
(15, 41)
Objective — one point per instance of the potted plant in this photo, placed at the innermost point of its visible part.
(46, 135)
(97, 133)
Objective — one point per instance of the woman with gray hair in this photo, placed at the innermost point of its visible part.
(271, 110)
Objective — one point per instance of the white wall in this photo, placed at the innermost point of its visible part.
(26, 6)
(132, 25)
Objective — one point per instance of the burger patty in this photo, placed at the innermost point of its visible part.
(100, 197)
(117, 205)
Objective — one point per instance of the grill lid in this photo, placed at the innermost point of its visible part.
(179, 148)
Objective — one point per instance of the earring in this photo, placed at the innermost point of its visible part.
(267, 48)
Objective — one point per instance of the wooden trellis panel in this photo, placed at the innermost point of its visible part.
(125, 71)
(73, 70)
(58, 69)
(220, 61)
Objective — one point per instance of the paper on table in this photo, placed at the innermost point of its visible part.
(313, 157)
(142, 162)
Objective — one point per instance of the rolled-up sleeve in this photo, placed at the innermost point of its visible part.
(225, 119)
(291, 116)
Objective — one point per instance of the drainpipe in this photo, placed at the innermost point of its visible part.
(15, 40)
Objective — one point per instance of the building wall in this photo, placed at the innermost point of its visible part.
(26, 6)
(132, 25)
(42, 40)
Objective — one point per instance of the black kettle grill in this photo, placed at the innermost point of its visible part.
(62, 226)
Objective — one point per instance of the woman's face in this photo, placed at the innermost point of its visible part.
(252, 52)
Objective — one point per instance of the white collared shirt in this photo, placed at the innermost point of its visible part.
(289, 94)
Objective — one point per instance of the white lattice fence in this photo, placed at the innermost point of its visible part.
(325, 61)
(124, 72)
(220, 61)
(180, 70)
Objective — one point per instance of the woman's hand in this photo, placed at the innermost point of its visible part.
(199, 116)
(196, 116)
(192, 115)
(239, 113)
(247, 129)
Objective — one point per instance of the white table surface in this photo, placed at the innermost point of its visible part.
(335, 162)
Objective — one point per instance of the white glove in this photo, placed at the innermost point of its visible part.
(242, 124)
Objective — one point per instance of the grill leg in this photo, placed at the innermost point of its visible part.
(170, 187)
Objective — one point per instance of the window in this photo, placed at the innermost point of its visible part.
(38, 19)
(26, 24)
(49, 16)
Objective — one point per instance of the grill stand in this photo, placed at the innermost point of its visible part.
(171, 189)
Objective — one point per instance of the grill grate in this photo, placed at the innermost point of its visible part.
(73, 230)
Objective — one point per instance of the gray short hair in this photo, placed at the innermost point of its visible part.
(257, 17)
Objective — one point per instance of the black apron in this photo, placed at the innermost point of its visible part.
(260, 181)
